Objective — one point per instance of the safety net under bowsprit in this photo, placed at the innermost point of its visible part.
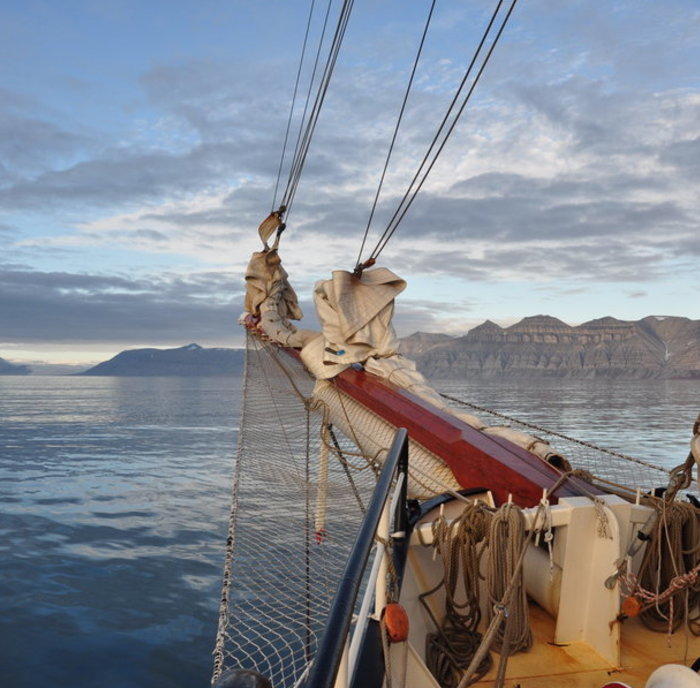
(298, 497)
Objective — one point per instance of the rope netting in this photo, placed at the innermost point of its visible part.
(280, 573)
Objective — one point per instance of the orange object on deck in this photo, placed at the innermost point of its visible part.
(396, 622)
(631, 606)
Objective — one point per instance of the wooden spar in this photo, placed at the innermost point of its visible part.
(475, 458)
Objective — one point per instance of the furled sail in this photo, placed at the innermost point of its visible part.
(355, 312)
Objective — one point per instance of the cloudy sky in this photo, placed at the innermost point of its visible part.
(139, 143)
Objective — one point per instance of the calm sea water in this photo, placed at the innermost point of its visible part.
(114, 500)
(114, 497)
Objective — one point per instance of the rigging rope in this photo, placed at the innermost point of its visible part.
(227, 577)
(344, 464)
(444, 130)
(303, 149)
(396, 130)
(291, 107)
(312, 79)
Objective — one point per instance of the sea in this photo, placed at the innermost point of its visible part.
(114, 498)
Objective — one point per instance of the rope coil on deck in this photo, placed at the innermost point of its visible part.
(456, 645)
(460, 545)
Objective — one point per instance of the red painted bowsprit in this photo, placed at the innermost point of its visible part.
(475, 458)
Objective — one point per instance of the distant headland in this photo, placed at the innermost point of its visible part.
(188, 361)
(7, 368)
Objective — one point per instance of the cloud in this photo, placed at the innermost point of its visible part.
(87, 308)
(590, 262)
(684, 155)
(30, 142)
(577, 161)
(149, 234)
(578, 164)
(432, 315)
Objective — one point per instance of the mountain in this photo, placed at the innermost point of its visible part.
(420, 342)
(7, 368)
(191, 360)
(654, 347)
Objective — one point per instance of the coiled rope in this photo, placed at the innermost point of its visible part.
(502, 608)
(667, 581)
(668, 577)
(506, 540)
(460, 545)
(456, 653)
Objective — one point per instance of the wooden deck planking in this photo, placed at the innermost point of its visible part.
(577, 666)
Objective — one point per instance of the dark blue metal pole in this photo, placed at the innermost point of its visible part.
(330, 649)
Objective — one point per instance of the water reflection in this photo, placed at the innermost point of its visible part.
(115, 497)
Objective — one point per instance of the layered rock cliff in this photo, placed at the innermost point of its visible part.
(654, 347)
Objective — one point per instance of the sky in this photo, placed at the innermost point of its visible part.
(139, 145)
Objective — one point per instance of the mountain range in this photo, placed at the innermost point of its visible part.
(7, 368)
(653, 347)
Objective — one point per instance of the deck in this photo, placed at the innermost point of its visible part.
(577, 666)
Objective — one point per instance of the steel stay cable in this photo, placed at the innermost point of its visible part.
(449, 110)
(298, 164)
(312, 125)
(389, 232)
(401, 211)
(320, 96)
(313, 77)
(291, 108)
(540, 428)
(396, 130)
(295, 169)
